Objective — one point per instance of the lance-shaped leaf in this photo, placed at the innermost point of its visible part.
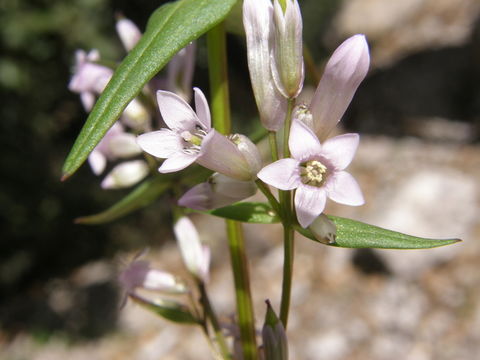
(170, 28)
(355, 234)
(168, 309)
(142, 196)
(249, 212)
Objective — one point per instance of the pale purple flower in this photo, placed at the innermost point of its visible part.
(190, 138)
(195, 255)
(180, 144)
(287, 63)
(89, 78)
(128, 33)
(259, 30)
(116, 144)
(139, 274)
(343, 73)
(180, 72)
(125, 174)
(316, 171)
(218, 191)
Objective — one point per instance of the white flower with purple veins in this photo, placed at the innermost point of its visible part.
(316, 171)
(180, 144)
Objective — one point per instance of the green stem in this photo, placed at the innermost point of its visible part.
(218, 76)
(217, 63)
(272, 140)
(241, 279)
(210, 314)
(288, 232)
(268, 194)
(286, 130)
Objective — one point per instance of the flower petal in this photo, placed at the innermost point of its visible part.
(340, 150)
(342, 188)
(309, 203)
(176, 113)
(177, 162)
(282, 174)
(344, 72)
(303, 143)
(97, 161)
(162, 144)
(202, 109)
(220, 154)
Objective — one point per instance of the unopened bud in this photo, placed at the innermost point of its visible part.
(195, 255)
(218, 191)
(249, 151)
(125, 174)
(324, 230)
(287, 67)
(128, 33)
(274, 338)
(136, 116)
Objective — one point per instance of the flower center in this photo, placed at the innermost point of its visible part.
(193, 139)
(313, 173)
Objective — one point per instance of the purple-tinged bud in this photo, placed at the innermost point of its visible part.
(128, 33)
(258, 24)
(249, 151)
(220, 154)
(274, 338)
(218, 191)
(125, 174)
(324, 230)
(343, 73)
(139, 274)
(287, 65)
(180, 72)
(195, 255)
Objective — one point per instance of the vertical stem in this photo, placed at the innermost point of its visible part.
(210, 313)
(272, 140)
(288, 233)
(218, 76)
(217, 64)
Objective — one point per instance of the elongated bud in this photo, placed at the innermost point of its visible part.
(343, 73)
(249, 151)
(136, 116)
(195, 255)
(258, 23)
(274, 338)
(128, 33)
(123, 145)
(287, 65)
(139, 274)
(125, 174)
(180, 72)
(218, 191)
(220, 154)
(324, 230)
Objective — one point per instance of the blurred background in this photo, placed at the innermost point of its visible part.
(418, 113)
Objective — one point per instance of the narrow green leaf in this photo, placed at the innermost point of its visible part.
(168, 309)
(142, 196)
(355, 234)
(170, 28)
(249, 212)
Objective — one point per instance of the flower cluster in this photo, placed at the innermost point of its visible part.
(90, 79)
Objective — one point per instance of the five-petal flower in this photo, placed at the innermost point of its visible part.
(180, 144)
(316, 171)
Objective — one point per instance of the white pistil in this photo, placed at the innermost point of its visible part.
(313, 173)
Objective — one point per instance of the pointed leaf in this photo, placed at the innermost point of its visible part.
(168, 309)
(142, 196)
(355, 234)
(170, 28)
(249, 212)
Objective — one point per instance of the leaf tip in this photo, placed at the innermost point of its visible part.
(65, 176)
